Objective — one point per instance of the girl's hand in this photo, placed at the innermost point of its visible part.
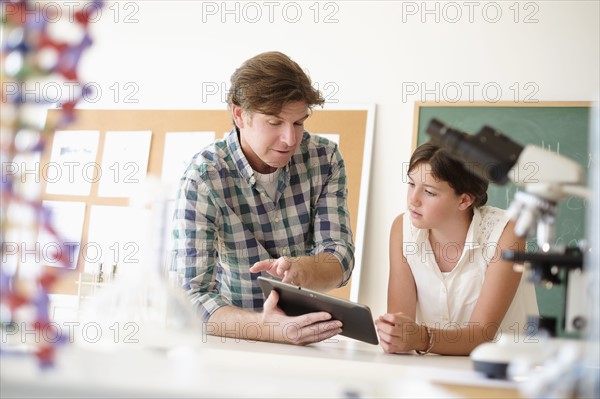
(399, 333)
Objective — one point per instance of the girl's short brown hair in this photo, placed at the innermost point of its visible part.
(267, 81)
(455, 173)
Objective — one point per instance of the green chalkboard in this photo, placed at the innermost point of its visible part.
(559, 127)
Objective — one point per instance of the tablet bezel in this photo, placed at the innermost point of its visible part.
(357, 319)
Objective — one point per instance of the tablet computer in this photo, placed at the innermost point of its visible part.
(295, 301)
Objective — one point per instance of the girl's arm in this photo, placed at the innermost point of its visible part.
(402, 292)
(499, 288)
(397, 330)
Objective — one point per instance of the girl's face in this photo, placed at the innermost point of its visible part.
(432, 203)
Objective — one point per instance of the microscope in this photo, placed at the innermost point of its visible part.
(492, 155)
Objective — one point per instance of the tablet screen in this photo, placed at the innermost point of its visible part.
(294, 301)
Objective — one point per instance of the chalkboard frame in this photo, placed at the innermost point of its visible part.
(551, 301)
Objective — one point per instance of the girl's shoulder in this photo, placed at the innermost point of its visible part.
(492, 213)
(398, 223)
(492, 221)
(491, 209)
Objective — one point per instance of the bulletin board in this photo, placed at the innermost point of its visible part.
(353, 123)
(561, 127)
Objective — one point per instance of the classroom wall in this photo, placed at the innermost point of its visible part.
(180, 54)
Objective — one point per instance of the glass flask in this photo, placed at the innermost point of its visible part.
(140, 306)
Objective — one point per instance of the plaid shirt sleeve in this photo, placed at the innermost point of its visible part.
(195, 236)
(332, 229)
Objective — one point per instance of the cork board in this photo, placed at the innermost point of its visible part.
(353, 124)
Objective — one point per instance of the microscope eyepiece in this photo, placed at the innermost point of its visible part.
(489, 154)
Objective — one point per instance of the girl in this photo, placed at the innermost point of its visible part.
(449, 289)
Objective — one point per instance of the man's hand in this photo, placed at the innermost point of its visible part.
(272, 325)
(300, 330)
(288, 269)
(319, 272)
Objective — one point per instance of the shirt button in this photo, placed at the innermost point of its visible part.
(276, 220)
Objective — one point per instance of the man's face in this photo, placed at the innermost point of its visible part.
(269, 141)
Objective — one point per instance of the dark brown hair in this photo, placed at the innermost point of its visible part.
(453, 172)
(267, 81)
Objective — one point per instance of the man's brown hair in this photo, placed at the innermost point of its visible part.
(268, 81)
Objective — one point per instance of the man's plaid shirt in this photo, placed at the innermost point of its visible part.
(224, 221)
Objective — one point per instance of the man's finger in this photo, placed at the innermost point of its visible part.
(263, 265)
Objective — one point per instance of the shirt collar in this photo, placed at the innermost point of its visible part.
(241, 163)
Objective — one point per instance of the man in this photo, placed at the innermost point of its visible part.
(268, 198)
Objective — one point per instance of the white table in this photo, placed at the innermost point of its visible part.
(208, 366)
